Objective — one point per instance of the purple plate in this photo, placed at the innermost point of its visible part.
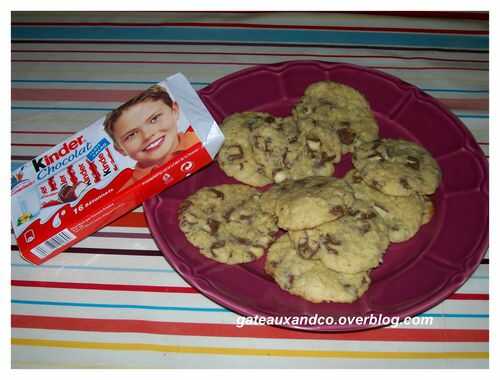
(416, 274)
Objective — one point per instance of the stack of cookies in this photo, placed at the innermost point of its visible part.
(332, 232)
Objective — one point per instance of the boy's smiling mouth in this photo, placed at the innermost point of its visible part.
(155, 144)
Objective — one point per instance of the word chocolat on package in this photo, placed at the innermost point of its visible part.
(82, 184)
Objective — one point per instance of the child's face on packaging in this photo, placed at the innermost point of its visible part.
(147, 132)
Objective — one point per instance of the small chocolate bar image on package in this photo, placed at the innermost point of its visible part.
(142, 147)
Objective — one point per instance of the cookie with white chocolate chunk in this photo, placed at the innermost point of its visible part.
(308, 202)
(403, 216)
(236, 156)
(227, 223)
(350, 244)
(310, 279)
(275, 146)
(260, 149)
(344, 109)
(397, 167)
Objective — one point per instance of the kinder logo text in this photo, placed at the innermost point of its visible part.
(68, 152)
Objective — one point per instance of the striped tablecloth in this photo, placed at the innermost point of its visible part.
(113, 300)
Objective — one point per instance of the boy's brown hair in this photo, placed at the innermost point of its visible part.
(153, 93)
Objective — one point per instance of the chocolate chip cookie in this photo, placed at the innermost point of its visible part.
(310, 279)
(350, 244)
(290, 150)
(276, 147)
(403, 216)
(314, 154)
(236, 156)
(260, 149)
(227, 223)
(397, 167)
(336, 96)
(308, 202)
(343, 109)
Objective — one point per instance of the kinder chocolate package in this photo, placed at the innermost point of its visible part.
(142, 147)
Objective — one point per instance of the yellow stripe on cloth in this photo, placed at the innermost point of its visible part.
(247, 351)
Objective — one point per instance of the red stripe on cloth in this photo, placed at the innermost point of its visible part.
(260, 26)
(469, 296)
(113, 287)
(429, 68)
(252, 44)
(37, 132)
(466, 104)
(451, 68)
(42, 132)
(34, 145)
(431, 14)
(290, 54)
(72, 95)
(109, 95)
(170, 289)
(227, 330)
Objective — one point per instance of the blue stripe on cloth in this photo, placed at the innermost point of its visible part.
(473, 116)
(439, 315)
(197, 309)
(86, 267)
(124, 269)
(455, 90)
(249, 35)
(121, 306)
(84, 81)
